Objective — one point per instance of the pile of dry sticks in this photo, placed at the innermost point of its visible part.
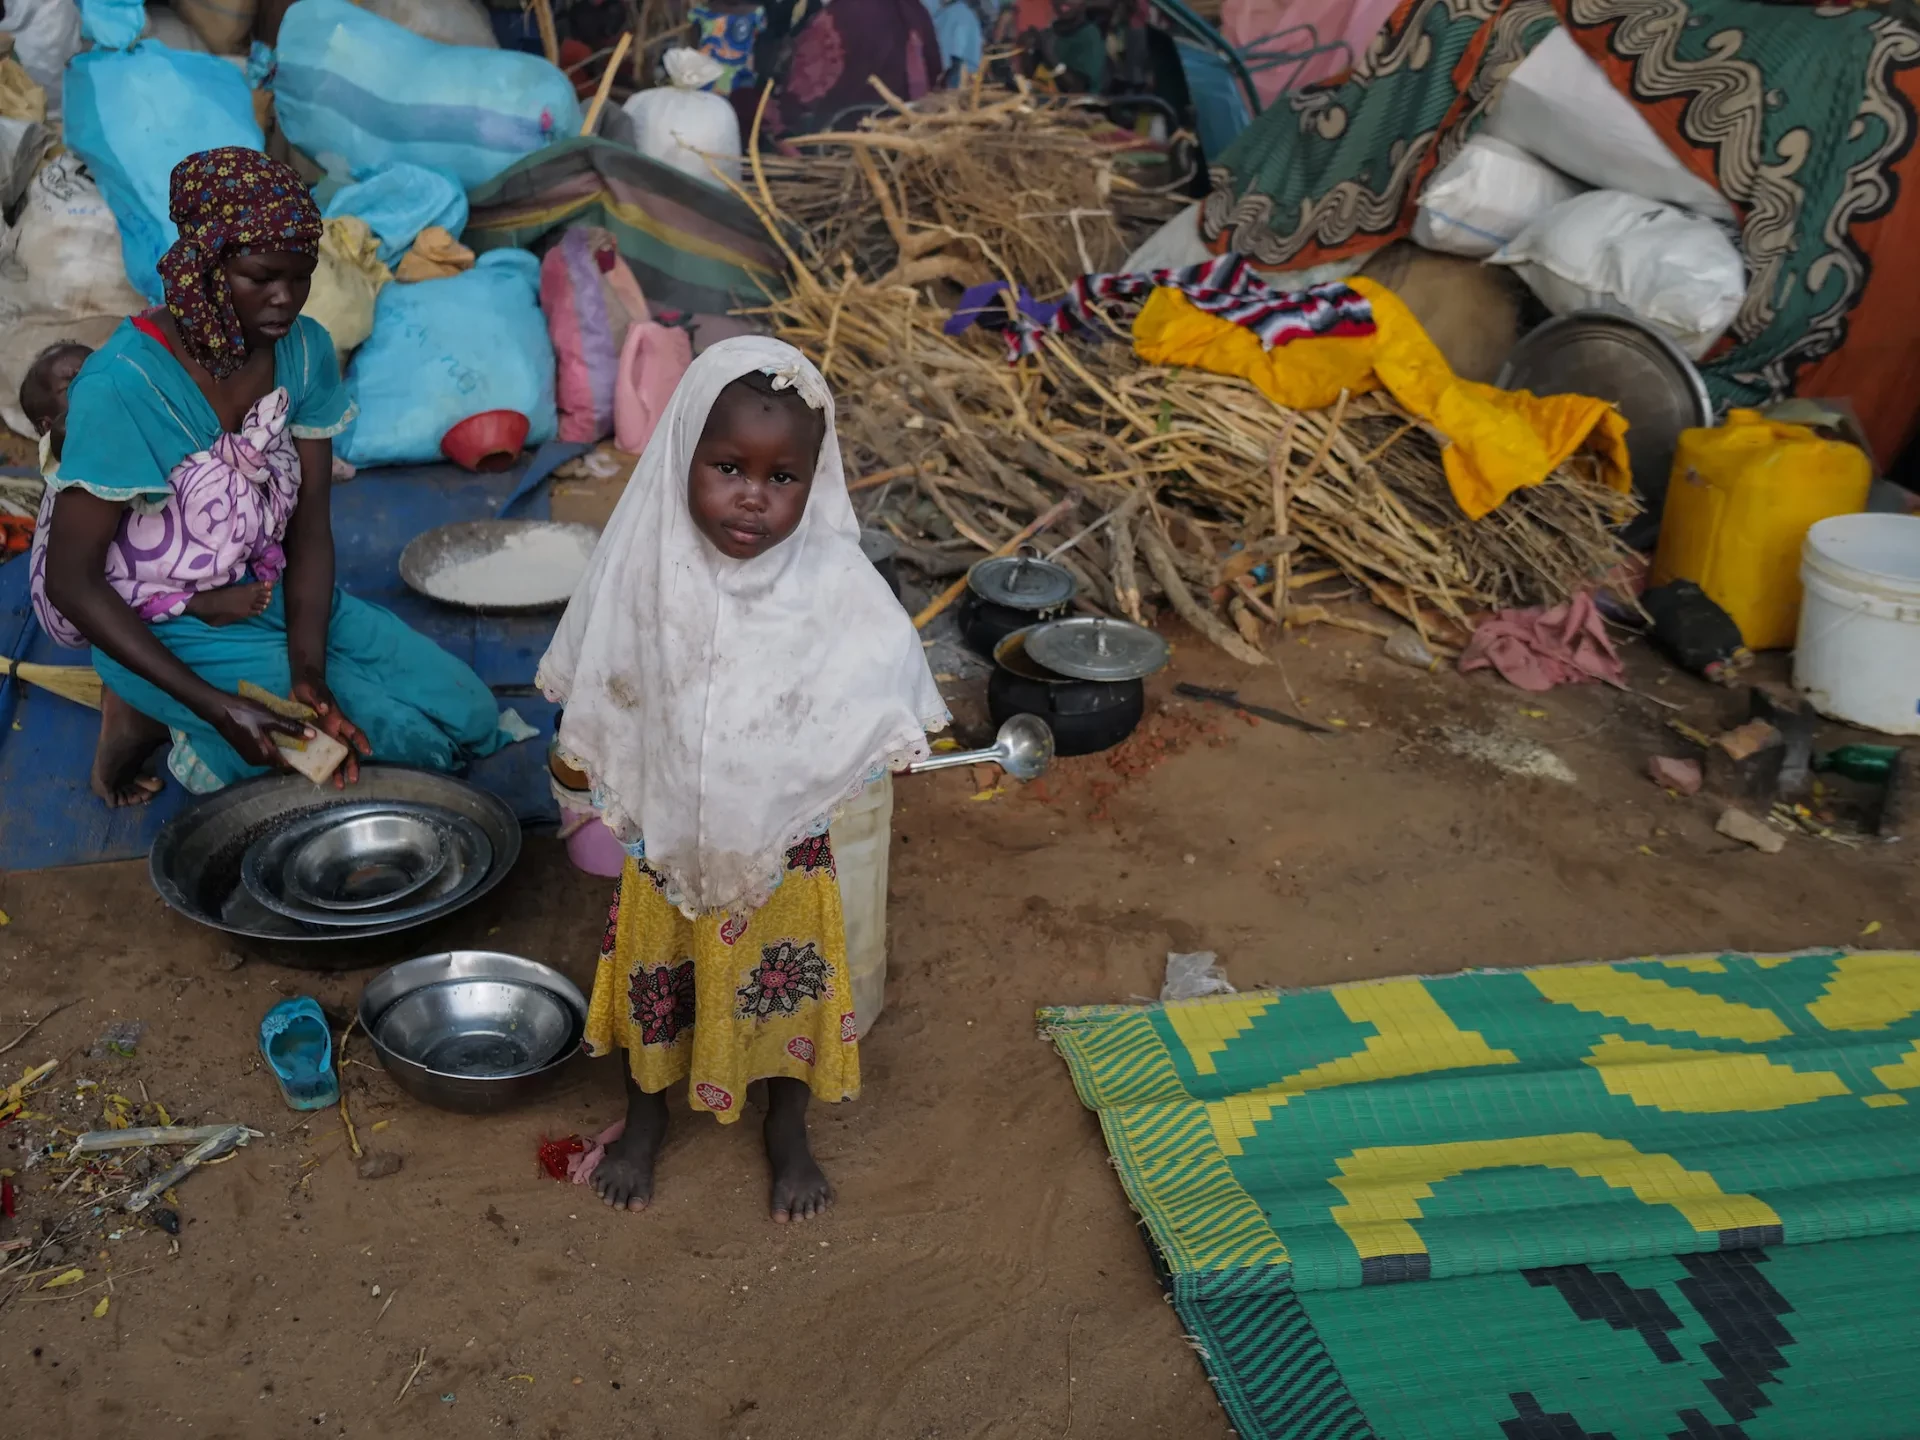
(1167, 485)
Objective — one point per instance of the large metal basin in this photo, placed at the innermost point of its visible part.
(196, 859)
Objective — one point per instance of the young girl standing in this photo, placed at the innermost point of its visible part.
(733, 670)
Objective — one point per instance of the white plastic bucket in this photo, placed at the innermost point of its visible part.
(862, 840)
(1858, 655)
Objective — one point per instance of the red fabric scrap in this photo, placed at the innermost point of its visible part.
(1538, 649)
(554, 1155)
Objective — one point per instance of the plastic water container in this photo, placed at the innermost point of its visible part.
(1858, 657)
(1738, 506)
(593, 849)
(862, 838)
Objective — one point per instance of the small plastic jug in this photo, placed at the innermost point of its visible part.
(652, 361)
(1739, 504)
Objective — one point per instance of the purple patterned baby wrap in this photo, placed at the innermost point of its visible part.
(226, 513)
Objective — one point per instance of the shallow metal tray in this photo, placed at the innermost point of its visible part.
(1627, 362)
(432, 550)
(196, 858)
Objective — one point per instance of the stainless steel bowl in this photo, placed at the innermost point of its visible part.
(367, 861)
(264, 869)
(448, 1089)
(478, 1029)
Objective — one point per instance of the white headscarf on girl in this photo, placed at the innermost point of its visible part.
(723, 708)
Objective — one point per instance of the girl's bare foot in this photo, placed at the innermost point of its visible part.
(800, 1188)
(624, 1176)
(231, 603)
(127, 739)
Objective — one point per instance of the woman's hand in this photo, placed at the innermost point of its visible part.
(249, 727)
(312, 691)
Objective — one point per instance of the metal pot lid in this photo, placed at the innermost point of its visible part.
(1090, 647)
(1628, 363)
(1024, 582)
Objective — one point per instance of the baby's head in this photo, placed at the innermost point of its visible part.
(753, 468)
(43, 393)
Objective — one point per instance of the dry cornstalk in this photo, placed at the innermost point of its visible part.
(1191, 467)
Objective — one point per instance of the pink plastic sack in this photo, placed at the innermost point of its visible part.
(651, 364)
(592, 302)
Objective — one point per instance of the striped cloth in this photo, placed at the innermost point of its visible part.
(690, 244)
(1226, 286)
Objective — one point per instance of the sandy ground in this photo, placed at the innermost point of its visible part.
(981, 1275)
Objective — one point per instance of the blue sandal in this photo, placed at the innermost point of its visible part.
(298, 1047)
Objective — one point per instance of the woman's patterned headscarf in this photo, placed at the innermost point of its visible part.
(227, 202)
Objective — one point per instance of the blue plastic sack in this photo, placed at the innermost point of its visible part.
(398, 202)
(133, 115)
(444, 350)
(358, 93)
(112, 24)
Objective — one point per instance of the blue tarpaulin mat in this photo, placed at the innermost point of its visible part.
(48, 816)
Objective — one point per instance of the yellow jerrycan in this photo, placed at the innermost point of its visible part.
(1740, 501)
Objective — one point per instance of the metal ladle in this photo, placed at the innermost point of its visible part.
(1023, 748)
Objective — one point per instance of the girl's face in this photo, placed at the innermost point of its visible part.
(752, 471)
(269, 291)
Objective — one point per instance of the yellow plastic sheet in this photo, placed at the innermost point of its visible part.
(1499, 440)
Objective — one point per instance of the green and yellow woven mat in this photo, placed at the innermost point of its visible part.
(1666, 1198)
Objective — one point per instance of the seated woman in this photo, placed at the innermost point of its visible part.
(198, 457)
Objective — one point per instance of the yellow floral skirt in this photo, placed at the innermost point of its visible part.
(722, 1001)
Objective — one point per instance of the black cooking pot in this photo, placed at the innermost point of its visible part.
(1009, 593)
(1085, 715)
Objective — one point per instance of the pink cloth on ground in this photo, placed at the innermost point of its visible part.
(1539, 649)
(581, 1167)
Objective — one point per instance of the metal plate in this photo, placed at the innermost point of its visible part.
(196, 858)
(1627, 362)
(434, 550)
(264, 870)
(1023, 582)
(1088, 647)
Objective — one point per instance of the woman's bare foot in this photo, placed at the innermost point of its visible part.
(800, 1188)
(231, 603)
(127, 739)
(624, 1176)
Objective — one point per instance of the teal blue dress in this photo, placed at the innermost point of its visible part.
(134, 414)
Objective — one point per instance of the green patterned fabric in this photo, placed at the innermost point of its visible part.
(1801, 116)
(1665, 1198)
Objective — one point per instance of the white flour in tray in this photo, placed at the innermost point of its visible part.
(531, 567)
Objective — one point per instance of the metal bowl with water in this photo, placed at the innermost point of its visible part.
(466, 1030)
(479, 1029)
